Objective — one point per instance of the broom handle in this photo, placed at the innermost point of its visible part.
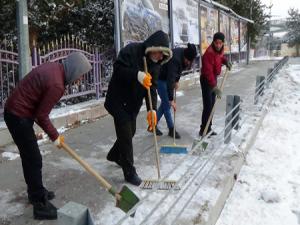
(88, 168)
(215, 104)
(154, 128)
(174, 117)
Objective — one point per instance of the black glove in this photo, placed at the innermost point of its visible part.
(228, 65)
(217, 92)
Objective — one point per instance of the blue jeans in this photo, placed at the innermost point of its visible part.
(164, 108)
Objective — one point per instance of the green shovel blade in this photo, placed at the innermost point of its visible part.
(204, 145)
(128, 199)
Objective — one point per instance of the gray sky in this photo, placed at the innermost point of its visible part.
(281, 7)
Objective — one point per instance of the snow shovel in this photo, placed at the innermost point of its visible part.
(126, 199)
(205, 144)
(173, 149)
(155, 183)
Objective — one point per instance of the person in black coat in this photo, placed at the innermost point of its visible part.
(168, 81)
(126, 91)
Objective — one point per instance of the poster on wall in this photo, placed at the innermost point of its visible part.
(141, 18)
(224, 28)
(185, 22)
(209, 26)
(234, 35)
(243, 32)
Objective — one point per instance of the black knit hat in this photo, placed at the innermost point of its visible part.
(190, 52)
(219, 36)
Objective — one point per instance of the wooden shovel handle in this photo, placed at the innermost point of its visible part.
(88, 168)
(154, 128)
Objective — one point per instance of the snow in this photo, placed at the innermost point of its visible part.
(10, 155)
(263, 58)
(268, 189)
(2, 125)
(7, 209)
(71, 109)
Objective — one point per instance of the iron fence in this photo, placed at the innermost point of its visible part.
(94, 84)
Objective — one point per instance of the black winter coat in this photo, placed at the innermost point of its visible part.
(171, 71)
(125, 94)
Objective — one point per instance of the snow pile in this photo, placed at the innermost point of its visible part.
(268, 188)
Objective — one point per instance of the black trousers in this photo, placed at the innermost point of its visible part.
(122, 149)
(208, 98)
(21, 130)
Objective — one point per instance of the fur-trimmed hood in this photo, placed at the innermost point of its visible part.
(159, 41)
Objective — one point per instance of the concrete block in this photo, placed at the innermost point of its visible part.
(74, 214)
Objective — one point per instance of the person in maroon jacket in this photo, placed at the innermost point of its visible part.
(31, 101)
(212, 61)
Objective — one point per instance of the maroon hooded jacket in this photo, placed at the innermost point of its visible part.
(212, 65)
(41, 89)
(35, 96)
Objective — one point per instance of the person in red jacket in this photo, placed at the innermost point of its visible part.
(31, 101)
(212, 61)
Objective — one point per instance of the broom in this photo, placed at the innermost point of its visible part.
(175, 149)
(155, 183)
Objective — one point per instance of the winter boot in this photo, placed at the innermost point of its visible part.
(171, 133)
(132, 177)
(44, 210)
(49, 195)
(158, 131)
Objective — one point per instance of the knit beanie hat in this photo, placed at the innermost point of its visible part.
(219, 36)
(190, 52)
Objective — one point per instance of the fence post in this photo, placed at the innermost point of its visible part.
(259, 88)
(229, 107)
(96, 73)
(236, 101)
(34, 56)
(231, 102)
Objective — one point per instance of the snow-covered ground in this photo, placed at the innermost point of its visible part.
(267, 191)
(192, 207)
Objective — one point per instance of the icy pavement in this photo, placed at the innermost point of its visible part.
(92, 141)
(268, 188)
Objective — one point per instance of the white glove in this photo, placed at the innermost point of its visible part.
(141, 75)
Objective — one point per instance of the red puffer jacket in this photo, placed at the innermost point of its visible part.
(36, 95)
(212, 65)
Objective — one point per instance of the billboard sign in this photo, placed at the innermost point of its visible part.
(243, 38)
(141, 18)
(185, 22)
(224, 28)
(234, 35)
(209, 26)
